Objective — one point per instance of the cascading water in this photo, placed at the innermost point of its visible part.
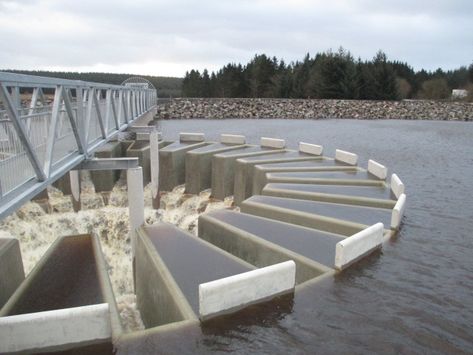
(38, 225)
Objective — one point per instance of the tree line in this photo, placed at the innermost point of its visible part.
(166, 86)
(328, 75)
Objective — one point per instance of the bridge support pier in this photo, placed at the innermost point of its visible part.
(74, 176)
(154, 161)
(136, 203)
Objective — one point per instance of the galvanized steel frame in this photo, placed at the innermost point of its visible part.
(78, 105)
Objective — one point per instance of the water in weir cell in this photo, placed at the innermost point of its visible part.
(38, 225)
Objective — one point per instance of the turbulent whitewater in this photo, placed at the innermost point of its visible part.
(38, 225)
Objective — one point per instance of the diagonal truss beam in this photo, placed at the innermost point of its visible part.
(99, 115)
(48, 156)
(21, 132)
(33, 129)
(72, 120)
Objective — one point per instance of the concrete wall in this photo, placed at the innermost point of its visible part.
(223, 171)
(63, 184)
(325, 197)
(309, 220)
(159, 299)
(172, 165)
(260, 171)
(68, 277)
(234, 292)
(141, 150)
(198, 168)
(358, 245)
(245, 174)
(11, 268)
(398, 212)
(104, 180)
(56, 329)
(254, 250)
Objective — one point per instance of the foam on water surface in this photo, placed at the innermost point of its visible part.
(38, 225)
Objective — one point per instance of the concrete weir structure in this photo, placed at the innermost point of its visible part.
(191, 278)
(11, 268)
(303, 217)
(316, 213)
(198, 168)
(172, 161)
(223, 167)
(65, 302)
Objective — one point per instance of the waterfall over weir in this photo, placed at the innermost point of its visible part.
(38, 224)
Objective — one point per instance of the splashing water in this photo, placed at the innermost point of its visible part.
(38, 225)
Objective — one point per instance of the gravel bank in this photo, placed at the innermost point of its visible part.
(315, 109)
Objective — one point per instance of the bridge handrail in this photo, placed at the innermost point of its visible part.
(25, 80)
(49, 125)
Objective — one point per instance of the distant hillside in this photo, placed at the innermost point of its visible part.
(166, 86)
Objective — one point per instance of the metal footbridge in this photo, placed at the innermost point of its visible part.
(48, 126)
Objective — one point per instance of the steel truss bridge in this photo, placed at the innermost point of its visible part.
(49, 126)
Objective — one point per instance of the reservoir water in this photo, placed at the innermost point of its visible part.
(415, 296)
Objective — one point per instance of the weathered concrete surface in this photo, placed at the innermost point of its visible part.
(321, 164)
(237, 291)
(346, 177)
(192, 261)
(104, 180)
(11, 268)
(244, 172)
(377, 169)
(172, 163)
(63, 184)
(398, 212)
(199, 165)
(277, 143)
(71, 274)
(42, 196)
(370, 196)
(346, 157)
(56, 328)
(315, 109)
(232, 139)
(191, 137)
(310, 148)
(358, 245)
(223, 172)
(136, 204)
(340, 219)
(250, 238)
(158, 297)
(397, 186)
(141, 150)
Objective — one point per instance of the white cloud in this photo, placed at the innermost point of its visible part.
(168, 38)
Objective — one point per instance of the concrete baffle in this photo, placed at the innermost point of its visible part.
(11, 268)
(65, 302)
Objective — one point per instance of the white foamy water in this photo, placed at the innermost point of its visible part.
(37, 226)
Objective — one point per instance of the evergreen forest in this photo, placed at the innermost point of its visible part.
(328, 75)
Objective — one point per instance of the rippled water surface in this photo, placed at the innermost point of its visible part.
(416, 296)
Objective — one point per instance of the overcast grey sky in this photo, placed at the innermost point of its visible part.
(169, 37)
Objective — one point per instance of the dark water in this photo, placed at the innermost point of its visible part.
(416, 296)
(191, 262)
(68, 279)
